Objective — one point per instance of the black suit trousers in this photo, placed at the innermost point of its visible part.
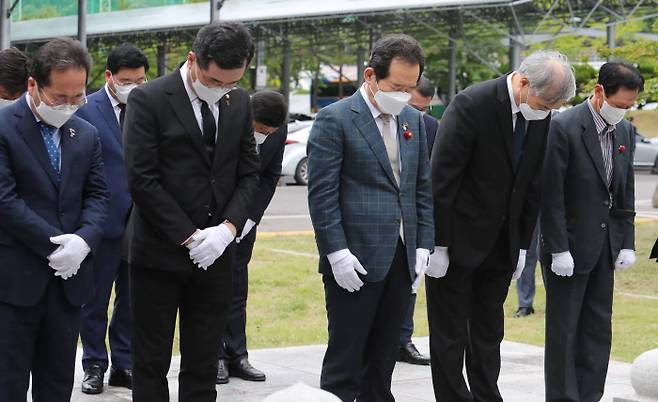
(579, 332)
(201, 298)
(465, 312)
(234, 345)
(364, 329)
(40, 340)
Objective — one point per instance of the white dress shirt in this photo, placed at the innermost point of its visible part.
(196, 102)
(57, 137)
(515, 108)
(115, 104)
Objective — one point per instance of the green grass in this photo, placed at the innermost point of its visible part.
(286, 300)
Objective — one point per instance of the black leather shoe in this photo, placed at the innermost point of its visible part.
(92, 382)
(243, 369)
(524, 312)
(222, 372)
(120, 378)
(411, 355)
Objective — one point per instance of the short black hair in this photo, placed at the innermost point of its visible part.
(269, 108)
(59, 54)
(425, 87)
(398, 46)
(14, 70)
(128, 56)
(618, 74)
(228, 44)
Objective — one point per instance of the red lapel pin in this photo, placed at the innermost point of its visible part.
(407, 133)
(622, 148)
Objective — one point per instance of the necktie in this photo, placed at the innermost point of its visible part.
(519, 138)
(209, 129)
(122, 114)
(392, 147)
(47, 132)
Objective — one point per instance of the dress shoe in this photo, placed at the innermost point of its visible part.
(243, 369)
(411, 355)
(92, 382)
(222, 372)
(524, 312)
(120, 378)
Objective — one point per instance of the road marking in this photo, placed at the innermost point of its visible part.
(636, 296)
(269, 235)
(295, 253)
(274, 217)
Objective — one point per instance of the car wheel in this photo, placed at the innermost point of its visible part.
(301, 172)
(654, 170)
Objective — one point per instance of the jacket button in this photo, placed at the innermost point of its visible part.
(396, 221)
(212, 181)
(603, 226)
(606, 203)
(209, 213)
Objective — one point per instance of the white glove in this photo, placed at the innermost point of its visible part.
(422, 262)
(245, 231)
(439, 262)
(69, 255)
(625, 260)
(520, 264)
(345, 265)
(562, 264)
(209, 244)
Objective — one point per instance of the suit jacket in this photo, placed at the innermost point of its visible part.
(431, 128)
(35, 207)
(271, 155)
(576, 214)
(176, 188)
(353, 198)
(478, 190)
(99, 113)
(654, 251)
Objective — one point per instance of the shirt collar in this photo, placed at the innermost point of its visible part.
(600, 124)
(28, 99)
(184, 73)
(510, 91)
(375, 112)
(113, 101)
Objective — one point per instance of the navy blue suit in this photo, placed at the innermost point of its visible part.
(39, 312)
(110, 267)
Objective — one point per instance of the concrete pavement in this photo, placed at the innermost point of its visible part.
(521, 377)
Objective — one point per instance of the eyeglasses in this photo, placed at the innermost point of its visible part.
(62, 105)
(128, 82)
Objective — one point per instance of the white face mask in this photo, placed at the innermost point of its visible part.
(391, 102)
(122, 91)
(612, 115)
(259, 137)
(5, 102)
(207, 94)
(56, 116)
(530, 113)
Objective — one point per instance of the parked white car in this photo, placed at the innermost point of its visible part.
(294, 155)
(646, 153)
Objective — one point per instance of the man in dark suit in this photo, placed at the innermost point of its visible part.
(270, 112)
(486, 170)
(13, 75)
(53, 205)
(421, 97)
(126, 68)
(588, 231)
(192, 170)
(370, 201)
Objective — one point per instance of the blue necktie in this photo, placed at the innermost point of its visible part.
(47, 132)
(519, 138)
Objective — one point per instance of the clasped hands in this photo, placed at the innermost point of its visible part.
(207, 245)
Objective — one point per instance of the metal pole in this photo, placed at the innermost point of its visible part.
(612, 43)
(261, 71)
(215, 6)
(514, 54)
(360, 61)
(162, 57)
(5, 22)
(82, 22)
(285, 67)
(452, 69)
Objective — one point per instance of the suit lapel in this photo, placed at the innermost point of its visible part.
(222, 130)
(106, 110)
(406, 145)
(68, 142)
(592, 143)
(180, 103)
(504, 112)
(618, 158)
(366, 125)
(31, 132)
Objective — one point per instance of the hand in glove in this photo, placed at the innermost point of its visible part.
(439, 262)
(69, 255)
(625, 260)
(245, 231)
(422, 263)
(562, 264)
(209, 244)
(345, 266)
(520, 264)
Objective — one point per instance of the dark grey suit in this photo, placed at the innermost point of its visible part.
(576, 216)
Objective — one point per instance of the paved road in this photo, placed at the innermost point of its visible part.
(289, 208)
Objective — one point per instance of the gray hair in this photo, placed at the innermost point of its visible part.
(550, 74)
